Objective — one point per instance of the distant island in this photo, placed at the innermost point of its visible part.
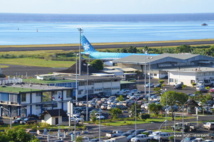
(204, 24)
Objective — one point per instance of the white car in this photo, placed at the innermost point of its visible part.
(141, 138)
(209, 125)
(77, 118)
(160, 135)
(99, 116)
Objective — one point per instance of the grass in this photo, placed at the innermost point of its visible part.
(132, 122)
(37, 62)
(41, 126)
(3, 66)
(16, 89)
(110, 43)
(34, 80)
(168, 131)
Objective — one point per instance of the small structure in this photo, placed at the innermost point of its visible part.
(53, 117)
(191, 104)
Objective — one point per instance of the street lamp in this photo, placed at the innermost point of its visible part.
(80, 31)
(160, 128)
(9, 114)
(99, 127)
(182, 105)
(149, 76)
(76, 81)
(162, 124)
(87, 66)
(135, 117)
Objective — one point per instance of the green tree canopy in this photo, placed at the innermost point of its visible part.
(17, 135)
(115, 112)
(97, 64)
(132, 109)
(171, 98)
(184, 49)
(120, 98)
(155, 108)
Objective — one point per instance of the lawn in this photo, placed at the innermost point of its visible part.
(16, 89)
(39, 126)
(34, 80)
(140, 121)
(37, 62)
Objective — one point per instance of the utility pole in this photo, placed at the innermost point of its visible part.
(80, 31)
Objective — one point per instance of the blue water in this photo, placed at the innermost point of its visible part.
(20, 29)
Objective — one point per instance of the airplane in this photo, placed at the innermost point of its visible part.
(105, 56)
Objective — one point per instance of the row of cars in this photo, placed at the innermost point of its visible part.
(25, 120)
(139, 135)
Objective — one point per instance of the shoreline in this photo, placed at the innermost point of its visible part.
(105, 43)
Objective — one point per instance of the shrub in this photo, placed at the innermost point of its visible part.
(145, 116)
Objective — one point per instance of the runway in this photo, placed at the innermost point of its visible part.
(156, 44)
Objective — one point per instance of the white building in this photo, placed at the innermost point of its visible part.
(191, 75)
(157, 66)
(28, 99)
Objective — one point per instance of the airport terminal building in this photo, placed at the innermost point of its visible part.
(168, 65)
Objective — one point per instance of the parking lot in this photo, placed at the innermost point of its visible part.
(96, 105)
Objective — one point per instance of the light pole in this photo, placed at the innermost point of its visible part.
(160, 128)
(9, 114)
(135, 118)
(182, 105)
(162, 124)
(80, 31)
(149, 76)
(174, 125)
(87, 67)
(99, 127)
(145, 78)
(76, 82)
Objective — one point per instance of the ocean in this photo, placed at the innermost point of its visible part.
(24, 29)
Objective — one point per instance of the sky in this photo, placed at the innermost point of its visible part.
(107, 6)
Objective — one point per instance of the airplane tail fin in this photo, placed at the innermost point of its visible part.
(87, 45)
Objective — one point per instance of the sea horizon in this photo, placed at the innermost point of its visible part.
(34, 29)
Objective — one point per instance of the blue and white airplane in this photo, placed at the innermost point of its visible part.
(107, 56)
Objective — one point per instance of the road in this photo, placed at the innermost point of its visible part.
(157, 44)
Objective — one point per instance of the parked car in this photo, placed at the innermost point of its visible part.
(99, 116)
(111, 106)
(103, 106)
(208, 125)
(114, 133)
(141, 138)
(151, 85)
(17, 120)
(184, 126)
(77, 119)
(157, 85)
(29, 120)
(188, 139)
(160, 135)
(1, 122)
(211, 90)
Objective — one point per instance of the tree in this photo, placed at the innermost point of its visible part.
(161, 81)
(158, 90)
(145, 49)
(120, 98)
(132, 49)
(97, 64)
(79, 139)
(132, 109)
(123, 50)
(115, 112)
(155, 108)
(184, 49)
(170, 98)
(17, 135)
